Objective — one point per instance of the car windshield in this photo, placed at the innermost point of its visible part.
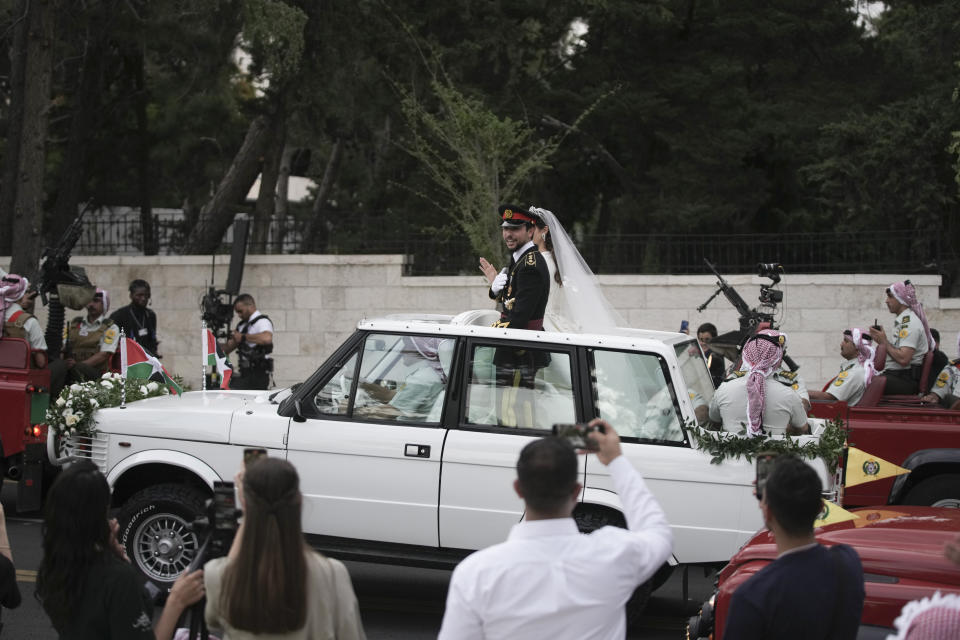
(694, 370)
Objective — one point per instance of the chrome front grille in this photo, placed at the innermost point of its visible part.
(93, 449)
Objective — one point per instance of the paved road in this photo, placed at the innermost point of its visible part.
(396, 602)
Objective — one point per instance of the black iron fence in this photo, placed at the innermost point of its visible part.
(449, 253)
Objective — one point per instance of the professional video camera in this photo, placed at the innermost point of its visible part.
(751, 320)
(216, 307)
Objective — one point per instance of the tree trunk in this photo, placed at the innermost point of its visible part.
(315, 236)
(283, 198)
(11, 159)
(217, 214)
(148, 229)
(28, 205)
(73, 175)
(266, 198)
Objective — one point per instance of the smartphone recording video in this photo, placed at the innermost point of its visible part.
(576, 435)
(251, 455)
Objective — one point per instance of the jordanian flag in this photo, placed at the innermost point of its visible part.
(136, 363)
(214, 358)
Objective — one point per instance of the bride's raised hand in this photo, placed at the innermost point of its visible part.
(488, 269)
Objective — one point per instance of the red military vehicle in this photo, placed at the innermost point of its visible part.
(902, 551)
(24, 396)
(24, 390)
(921, 437)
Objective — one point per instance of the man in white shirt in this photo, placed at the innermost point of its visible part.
(855, 374)
(18, 300)
(253, 340)
(755, 400)
(548, 580)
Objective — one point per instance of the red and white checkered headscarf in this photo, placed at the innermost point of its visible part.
(761, 358)
(906, 293)
(866, 350)
(932, 618)
(12, 288)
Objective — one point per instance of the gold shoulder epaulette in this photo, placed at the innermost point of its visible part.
(532, 259)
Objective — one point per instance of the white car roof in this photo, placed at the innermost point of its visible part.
(477, 323)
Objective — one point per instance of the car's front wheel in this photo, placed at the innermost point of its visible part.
(154, 530)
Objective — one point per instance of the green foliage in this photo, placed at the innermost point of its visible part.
(475, 159)
(73, 413)
(274, 31)
(722, 445)
(737, 116)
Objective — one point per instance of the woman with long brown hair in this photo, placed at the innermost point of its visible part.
(271, 583)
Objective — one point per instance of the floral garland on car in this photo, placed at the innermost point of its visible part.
(722, 445)
(72, 414)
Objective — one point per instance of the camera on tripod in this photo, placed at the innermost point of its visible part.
(215, 312)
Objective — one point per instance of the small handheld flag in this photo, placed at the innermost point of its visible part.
(215, 358)
(137, 363)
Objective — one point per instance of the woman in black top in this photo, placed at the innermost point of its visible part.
(85, 582)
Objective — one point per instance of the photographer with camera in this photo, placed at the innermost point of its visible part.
(548, 580)
(271, 582)
(253, 341)
(85, 582)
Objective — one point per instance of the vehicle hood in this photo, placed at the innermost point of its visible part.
(890, 540)
(196, 415)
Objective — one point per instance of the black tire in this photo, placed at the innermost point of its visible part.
(936, 491)
(154, 533)
(592, 518)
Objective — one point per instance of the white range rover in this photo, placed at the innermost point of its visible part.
(406, 438)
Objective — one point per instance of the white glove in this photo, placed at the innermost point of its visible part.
(499, 282)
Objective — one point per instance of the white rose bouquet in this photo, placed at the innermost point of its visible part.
(73, 412)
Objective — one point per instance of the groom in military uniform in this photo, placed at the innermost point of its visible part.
(521, 289)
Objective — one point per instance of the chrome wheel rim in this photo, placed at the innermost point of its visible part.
(164, 547)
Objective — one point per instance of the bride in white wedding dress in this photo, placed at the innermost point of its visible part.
(575, 303)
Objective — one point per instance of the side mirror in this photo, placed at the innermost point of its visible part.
(298, 413)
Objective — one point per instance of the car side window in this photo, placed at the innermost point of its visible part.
(633, 394)
(333, 399)
(520, 387)
(403, 377)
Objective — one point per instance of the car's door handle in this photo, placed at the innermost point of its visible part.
(416, 450)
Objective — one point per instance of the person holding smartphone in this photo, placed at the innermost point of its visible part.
(271, 582)
(512, 590)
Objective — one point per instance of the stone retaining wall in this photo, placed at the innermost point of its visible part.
(315, 302)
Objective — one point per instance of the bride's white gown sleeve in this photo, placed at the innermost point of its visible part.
(579, 306)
